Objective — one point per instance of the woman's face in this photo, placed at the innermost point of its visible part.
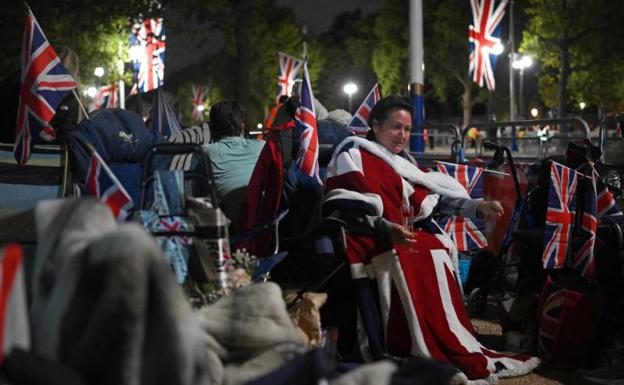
(393, 133)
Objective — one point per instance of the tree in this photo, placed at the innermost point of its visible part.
(99, 37)
(254, 33)
(574, 41)
(390, 55)
(346, 46)
(446, 56)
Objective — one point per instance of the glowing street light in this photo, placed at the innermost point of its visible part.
(582, 105)
(201, 108)
(91, 92)
(534, 112)
(99, 72)
(521, 63)
(350, 88)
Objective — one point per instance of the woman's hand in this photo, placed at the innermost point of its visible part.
(491, 209)
(400, 236)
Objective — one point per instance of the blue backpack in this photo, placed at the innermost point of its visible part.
(122, 140)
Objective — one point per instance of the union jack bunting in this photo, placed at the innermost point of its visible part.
(559, 215)
(606, 204)
(582, 260)
(305, 117)
(44, 84)
(483, 35)
(465, 232)
(107, 97)
(198, 98)
(147, 49)
(359, 123)
(289, 67)
(104, 185)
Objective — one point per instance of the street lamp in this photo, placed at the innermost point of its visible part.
(521, 63)
(350, 88)
(534, 112)
(582, 105)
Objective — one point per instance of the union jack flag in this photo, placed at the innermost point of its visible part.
(359, 123)
(147, 48)
(106, 97)
(307, 159)
(44, 84)
(584, 243)
(559, 215)
(14, 320)
(465, 232)
(198, 98)
(104, 185)
(483, 35)
(289, 68)
(606, 204)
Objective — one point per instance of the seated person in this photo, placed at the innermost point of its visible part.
(232, 156)
(405, 270)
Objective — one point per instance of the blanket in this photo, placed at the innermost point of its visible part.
(408, 297)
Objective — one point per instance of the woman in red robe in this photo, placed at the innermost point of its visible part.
(409, 299)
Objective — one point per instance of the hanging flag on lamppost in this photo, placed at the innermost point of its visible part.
(484, 37)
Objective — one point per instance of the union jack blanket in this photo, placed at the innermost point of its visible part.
(408, 297)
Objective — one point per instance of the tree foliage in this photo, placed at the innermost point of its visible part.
(99, 35)
(576, 42)
(390, 56)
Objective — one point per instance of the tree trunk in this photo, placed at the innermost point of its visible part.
(243, 48)
(564, 74)
(466, 103)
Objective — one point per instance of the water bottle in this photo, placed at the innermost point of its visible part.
(212, 244)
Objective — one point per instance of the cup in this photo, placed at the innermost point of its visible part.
(407, 215)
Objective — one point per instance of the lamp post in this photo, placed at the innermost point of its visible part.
(350, 88)
(521, 63)
(496, 49)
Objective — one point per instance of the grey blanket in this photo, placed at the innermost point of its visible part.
(106, 304)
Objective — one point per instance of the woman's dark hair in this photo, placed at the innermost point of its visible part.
(226, 119)
(380, 112)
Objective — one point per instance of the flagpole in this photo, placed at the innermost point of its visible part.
(484, 170)
(417, 82)
(84, 111)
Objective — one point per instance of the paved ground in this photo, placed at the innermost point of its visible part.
(490, 333)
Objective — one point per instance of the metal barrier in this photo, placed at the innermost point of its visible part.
(542, 126)
(441, 138)
(610, 123)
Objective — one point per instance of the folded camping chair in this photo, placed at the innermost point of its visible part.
(121, 138)
(181, 214)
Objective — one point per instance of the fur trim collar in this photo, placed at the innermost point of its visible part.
(435, 181)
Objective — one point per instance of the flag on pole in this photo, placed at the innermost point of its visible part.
(147, 51)
(44, 84)
(104, 185)
(305, 117)
(289, 67)
(465, 232)
(583, 258)
(359, 122)
(14, 322)
(107, 97)
(165, 120)
(559, 215)
(483, 35)
(198, 99)
(606, 204)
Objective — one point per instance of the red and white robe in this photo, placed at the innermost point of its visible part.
(408, 298)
